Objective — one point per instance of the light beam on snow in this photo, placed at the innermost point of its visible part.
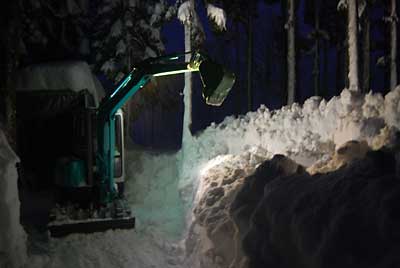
(205, 170)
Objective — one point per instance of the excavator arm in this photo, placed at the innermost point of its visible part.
(217, 83)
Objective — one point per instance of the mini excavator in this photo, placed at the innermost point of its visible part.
(98, 175)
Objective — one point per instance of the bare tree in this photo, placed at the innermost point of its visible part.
(316, 70)
(393, 45)
(291, 55)
(250, 57)
(353, 45)
(320, 38)
(366, 47)
(194, 37)
(9, 60)
(186, 14)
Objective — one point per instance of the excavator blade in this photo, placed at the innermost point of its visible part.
(61, 229)
(69, 219)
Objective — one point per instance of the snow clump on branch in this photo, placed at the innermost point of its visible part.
(217, 15)
(185, 13)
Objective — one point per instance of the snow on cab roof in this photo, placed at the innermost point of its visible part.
(73, 75)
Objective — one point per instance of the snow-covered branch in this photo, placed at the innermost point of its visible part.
(185, 12)
(344, 4)
(188, 16)
(217, 15)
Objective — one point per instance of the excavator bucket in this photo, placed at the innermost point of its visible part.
(217, 82)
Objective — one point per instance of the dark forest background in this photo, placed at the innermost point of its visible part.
(113, 36)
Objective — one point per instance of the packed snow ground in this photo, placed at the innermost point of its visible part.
(152, 191)
(122, 248)
(157, 183)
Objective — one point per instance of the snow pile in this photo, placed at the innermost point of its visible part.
(212, 239)
(152, 189)
(392, 108)
(346, 153)
(251, 195)
(280, 210)
(12, 236)
(309, 135)
(304, 133)
(345, 218)
(71, 75)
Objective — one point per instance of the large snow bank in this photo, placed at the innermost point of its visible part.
(212, 238)
(308, 134)
(304, 133)
(249, 196)
(73, 75)
(345, 218)
(12, 235)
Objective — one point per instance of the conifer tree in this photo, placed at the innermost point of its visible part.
(126, 32)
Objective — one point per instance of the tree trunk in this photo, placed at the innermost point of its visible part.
(393, 46)
(291, 56)
(316, 71)
(187, 91)
(353, 46)
(366, 50)
(249, 60)
(4, 91)
(325, 77)
(10, 26)
(346, 60)
(339, 67)
(239, 94)
(283, 57)
(268, 58)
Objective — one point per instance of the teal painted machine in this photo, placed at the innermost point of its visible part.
(70, 172)
(108, 202)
